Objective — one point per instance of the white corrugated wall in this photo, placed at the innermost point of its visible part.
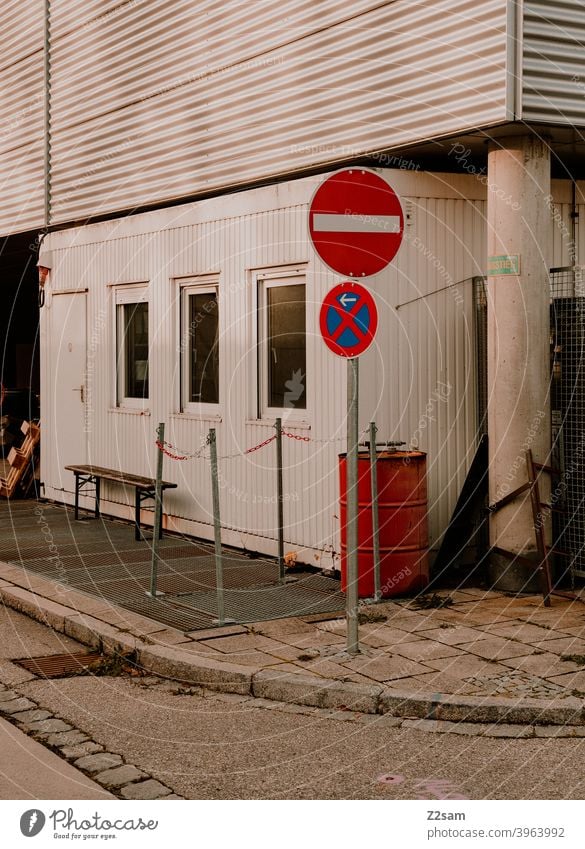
(553, 78)
(152, 101)
(22, 110)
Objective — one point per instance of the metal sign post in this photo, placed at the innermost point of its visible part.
(221, 620)
(160, 438)
(352, 505)
(280, 497)
(375, 514)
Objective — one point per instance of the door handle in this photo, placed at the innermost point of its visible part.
(82, 391)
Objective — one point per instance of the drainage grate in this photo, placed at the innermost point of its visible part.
(59, 665)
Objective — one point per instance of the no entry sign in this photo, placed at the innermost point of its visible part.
(356, 222)
(348, 319)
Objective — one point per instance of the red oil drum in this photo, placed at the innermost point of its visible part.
(403, 522)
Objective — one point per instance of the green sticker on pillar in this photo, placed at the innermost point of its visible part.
(506, 264)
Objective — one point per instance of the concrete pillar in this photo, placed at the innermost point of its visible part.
(519, 225)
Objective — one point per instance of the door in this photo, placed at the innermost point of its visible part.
(68, 368)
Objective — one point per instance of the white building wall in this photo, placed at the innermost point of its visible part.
(553, 81)
(417, 380)
(152, 101)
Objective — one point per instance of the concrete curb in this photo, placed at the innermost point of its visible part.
(186, 665)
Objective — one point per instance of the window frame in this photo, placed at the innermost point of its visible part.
(187, 287)
(125, 295)
(264, 282)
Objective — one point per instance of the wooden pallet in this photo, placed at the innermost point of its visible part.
(19, 459)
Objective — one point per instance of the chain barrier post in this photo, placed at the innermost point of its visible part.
(375, 512)
(160, 440)
(280, 496)
(221, 620)
(352, 506)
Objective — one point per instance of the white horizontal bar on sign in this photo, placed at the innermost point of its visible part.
(355, 223)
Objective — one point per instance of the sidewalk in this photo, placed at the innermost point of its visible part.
(474, 656)
(482, 657)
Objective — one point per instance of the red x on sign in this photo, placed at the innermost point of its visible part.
(348, 319)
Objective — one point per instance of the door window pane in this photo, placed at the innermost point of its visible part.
(286, 346)
(203, 348)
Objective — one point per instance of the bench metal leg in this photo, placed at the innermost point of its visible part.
(97, 498)
(137, 533)
(76, 497)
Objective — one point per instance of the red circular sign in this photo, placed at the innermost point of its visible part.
(348, 319)
(356, 222)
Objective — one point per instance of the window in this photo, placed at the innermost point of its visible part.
(200, 347)
(283, 366)
(131, 346)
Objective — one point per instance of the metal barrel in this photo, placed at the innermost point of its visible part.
(403, 518)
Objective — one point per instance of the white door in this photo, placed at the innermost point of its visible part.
(68, 385)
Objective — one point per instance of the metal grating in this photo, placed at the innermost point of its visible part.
(266, 603)
(103, 560)
(568, 414)
(60, 665)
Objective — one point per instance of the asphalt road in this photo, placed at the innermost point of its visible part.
(208, 746)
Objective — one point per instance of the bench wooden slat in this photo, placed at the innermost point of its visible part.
(119, 477)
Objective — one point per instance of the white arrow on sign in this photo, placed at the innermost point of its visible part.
(346, 299)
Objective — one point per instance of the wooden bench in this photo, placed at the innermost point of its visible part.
(144, 489)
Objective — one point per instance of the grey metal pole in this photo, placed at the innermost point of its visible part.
(352, 506)
(160, 436)
(375, 513)
(280, 496)
(221, 620)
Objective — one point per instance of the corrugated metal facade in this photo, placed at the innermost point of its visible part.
(153, 101)
(553, 77)
(22, 110)
(418, 381)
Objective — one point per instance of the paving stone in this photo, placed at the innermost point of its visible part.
(563, 645)
(425, 650)
(119, 775)
(521, 631)
(81, 749)
(66, 738)
(16, 705)
(496, 648)
(168, 637)
(454, 636)
(279, 627)
(99, 762)
(543, 665)
(384, 637)
(386, 668)
(173, 796)
(47, 726)
(212, 633)
(571, 680)
(465, 666)
(7, 695)
(243, 643)
(150, 789)
(31, 715)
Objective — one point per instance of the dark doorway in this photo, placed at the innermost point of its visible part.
(19, 316)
